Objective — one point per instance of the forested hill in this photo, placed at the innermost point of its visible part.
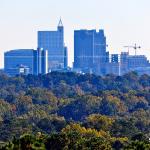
(98, 109)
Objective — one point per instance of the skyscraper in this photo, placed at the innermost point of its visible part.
(40, 61)
(65, 57)
(90, 51)
(53, 41)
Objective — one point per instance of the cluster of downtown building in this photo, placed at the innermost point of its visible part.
(90, 56)
(51, 55)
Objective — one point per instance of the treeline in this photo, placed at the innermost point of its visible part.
(106, 110)
(76, 137)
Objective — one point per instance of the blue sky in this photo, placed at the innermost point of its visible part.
(125, 22)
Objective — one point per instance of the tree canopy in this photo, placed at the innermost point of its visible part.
(75, 110)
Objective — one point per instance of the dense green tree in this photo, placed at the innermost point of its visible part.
(99, 122)
(117, 105)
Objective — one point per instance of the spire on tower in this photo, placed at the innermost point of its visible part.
(60, 24)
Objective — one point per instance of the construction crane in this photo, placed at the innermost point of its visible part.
(135, 47)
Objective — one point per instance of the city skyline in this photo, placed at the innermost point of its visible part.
(19, 25)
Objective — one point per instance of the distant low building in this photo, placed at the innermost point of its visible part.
(26, 61)
(18, 70)
(136, 61)
(124, 63)
(113, 68)
(14, 58)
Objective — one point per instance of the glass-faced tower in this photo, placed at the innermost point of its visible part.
(53, 41)
(90, 51)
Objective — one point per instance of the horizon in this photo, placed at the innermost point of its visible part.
(19, 25)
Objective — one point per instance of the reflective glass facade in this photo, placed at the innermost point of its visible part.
(15, 58)
(53, 41)
(90, 51)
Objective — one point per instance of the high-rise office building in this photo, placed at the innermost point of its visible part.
(26, 61)
(40, 61)
(90, 51)
(53, 41)
(113, 68)
(65, 58)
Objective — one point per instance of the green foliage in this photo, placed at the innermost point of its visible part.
(77, 111)
(99, 122)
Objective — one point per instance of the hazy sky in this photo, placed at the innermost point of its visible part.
(125, 22)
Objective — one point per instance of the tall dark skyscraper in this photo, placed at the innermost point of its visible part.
(53, 41)
(90, 51)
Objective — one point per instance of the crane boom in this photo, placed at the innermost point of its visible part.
(135, 47)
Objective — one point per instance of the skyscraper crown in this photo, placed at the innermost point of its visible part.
(60, 24)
